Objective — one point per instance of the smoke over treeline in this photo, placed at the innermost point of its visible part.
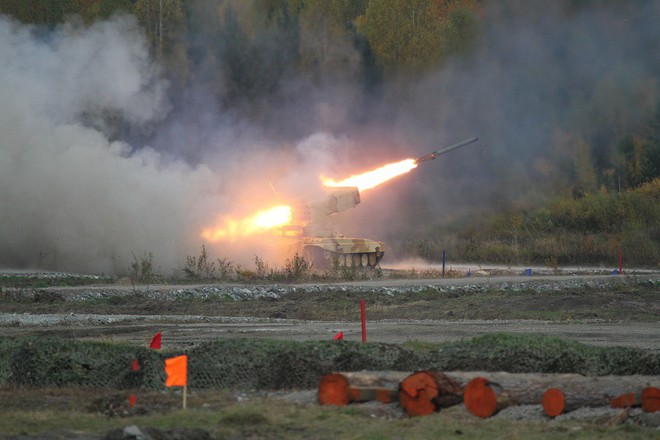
(128, 126)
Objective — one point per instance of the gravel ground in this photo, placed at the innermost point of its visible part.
(183, 330)
(242, 292)
(606, 415)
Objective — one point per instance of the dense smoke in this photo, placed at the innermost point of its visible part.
(104, 160)
(71, 198)
(75, 199)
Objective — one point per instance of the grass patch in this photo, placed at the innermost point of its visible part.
(631, 302)
(38, 280)
(570, 231)
(260, 417)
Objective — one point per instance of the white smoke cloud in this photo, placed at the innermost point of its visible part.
(71, 198)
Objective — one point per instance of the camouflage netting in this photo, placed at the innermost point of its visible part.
(274, 364)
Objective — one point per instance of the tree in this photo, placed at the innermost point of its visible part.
(162, 20)
(46, 12)
(165, 25)
(50, 12)
(642, 160)
(585, 172)
(416, 34)
(327, 37)
(258, 47)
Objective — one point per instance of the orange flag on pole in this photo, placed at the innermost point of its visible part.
(177, 371)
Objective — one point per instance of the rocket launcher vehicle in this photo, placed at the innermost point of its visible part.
(325, 248)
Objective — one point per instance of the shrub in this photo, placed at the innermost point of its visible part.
(297, 268)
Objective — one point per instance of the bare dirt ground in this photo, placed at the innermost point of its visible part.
(594, 309)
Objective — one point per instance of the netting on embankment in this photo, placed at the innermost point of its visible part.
(275, 364)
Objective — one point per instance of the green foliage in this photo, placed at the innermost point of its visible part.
(225, 268)
(529, 353)
(589, 229)
(262, 268)
(349, 273)
(460, 27)
(165, 23)
(258, 45)
(40, 280)
(200, 268)
(402, 32)
(416, 34)
(38, 11)
(297, 268)
(276, 364)
(327, 36)
(60, 362)
(606, 212)
(49, 12)
(641, 157)
(203, 268)
(245, 275)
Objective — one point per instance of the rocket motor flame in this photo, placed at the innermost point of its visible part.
(258, 223)
(265, 220)
(373, 178)
(282, 215)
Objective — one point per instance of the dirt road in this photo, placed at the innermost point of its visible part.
(181, 331)
(322, 311)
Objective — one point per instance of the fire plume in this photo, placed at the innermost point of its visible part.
(373, 178)
(257, 223)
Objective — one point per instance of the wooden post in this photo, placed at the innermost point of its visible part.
(185, 392)
(443, 263)
(364, 322)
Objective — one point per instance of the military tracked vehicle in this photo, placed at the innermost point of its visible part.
(312, 234)
(325, 248)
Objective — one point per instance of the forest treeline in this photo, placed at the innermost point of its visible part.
(255, 48)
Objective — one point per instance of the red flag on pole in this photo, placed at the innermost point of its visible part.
(339, 336)
(131, 400)
(155, 342)
(135, 365)
(177, 371)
